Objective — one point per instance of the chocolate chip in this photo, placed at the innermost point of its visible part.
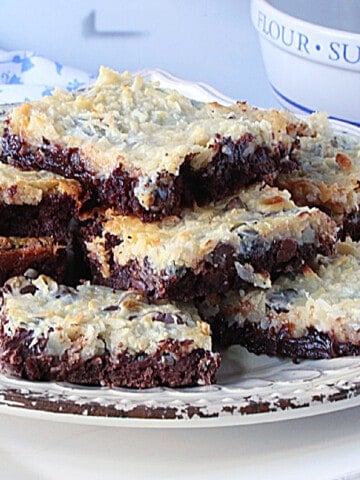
(111, 308)
(235, 203)
(28, 289)
(287, 249)
(168, 318)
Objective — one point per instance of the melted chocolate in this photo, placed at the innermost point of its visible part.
(313, 345)
(233, 164)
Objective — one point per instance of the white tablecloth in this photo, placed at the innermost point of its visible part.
(322, 448)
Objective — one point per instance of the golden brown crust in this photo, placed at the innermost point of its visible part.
(92, 319)
(146, 129)
(20, 254)
(29, 188)
(329, 172)
(263, 214)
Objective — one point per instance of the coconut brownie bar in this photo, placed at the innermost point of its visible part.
(248, 239)
(315, 314)
(328, 176)
(92, 335)
(36, 204)
(43, 254)
(148, 151)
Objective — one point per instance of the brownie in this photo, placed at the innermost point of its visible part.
(149, 151)
(20, 254)
(314, 314)
(37, 204)
(247, 240)
(328, 175)
(93, 335)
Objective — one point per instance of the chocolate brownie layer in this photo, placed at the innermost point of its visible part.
(149, 151)
(35, 204)
(328, 175)
(42, 254)
(247, 240)
(315, 314)
(92, 335)
(312, 345)
(51, 217)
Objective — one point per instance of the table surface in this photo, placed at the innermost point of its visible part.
(323, 447)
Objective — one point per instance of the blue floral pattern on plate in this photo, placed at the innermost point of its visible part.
(26, 76)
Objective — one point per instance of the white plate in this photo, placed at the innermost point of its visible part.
(250, 389)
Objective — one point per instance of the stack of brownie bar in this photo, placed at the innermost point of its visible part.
(36, 209)
(315, 313)
(182, 211)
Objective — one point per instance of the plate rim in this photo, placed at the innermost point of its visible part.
(195, 423)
